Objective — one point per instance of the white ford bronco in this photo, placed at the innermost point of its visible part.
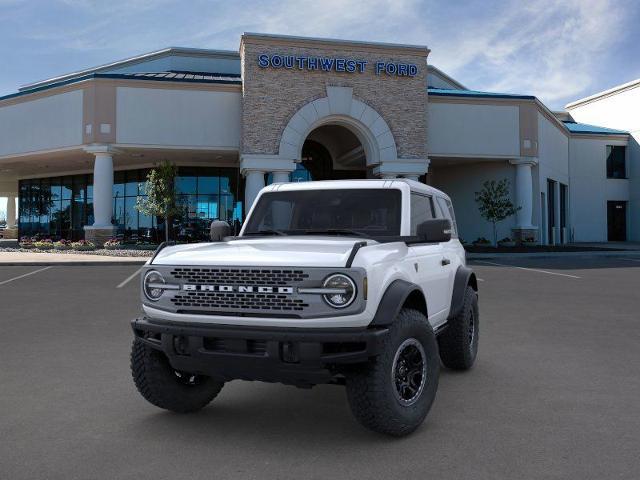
(361, 283)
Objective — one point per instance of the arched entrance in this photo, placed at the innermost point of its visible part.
(332, 152)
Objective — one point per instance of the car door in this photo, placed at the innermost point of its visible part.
(453, 251)
(430, 270)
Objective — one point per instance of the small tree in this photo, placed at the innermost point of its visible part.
(494, 203)
(161, 198)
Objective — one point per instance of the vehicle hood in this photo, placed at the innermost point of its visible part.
(312, 251)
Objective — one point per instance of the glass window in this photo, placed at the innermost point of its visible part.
(616, 161)
(118, 213)
(421, 210)
(130, 214)
(209, 185)
(118, 184)
(186, 184)
(67, 188)
(131, 184)
(79, 188)
(300, 174)
(447, 212)
(369, 212)
(62, 206)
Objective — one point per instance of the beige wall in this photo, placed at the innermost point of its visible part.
(271, 96)
(175, 117)
(49, 122)
(466, 129)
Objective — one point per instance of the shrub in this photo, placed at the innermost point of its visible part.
(62, 245)
(83, 245)
(113, 244)
(26, 242)
(46, 244)
(482, 241)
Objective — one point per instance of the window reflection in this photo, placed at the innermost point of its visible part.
(59, 207)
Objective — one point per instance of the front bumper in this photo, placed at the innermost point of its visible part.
(294, 356)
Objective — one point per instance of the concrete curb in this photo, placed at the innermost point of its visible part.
(608, 253)
(107, 263)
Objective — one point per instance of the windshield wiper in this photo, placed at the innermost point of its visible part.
(267, 232)
(337, 231)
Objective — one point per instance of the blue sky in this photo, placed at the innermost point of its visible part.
(557, 50)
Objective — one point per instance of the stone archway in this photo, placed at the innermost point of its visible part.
(340, 108)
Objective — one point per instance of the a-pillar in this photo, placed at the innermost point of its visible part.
(254, 166)
(524, 229)
(102, 228)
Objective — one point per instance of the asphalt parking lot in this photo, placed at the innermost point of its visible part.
(555, 392)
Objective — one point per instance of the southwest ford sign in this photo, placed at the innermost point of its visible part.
(335, 64)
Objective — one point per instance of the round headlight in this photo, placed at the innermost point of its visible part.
(343, 291)
(152, 279)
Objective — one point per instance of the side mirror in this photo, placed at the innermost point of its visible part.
(218, 230)
(435, 230)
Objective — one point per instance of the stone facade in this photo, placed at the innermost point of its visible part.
(271, 96)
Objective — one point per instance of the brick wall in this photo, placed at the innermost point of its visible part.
(271, 96)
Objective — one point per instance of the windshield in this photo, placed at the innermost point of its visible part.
(357, 212)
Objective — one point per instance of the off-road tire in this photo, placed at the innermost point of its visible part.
(162, 386)
(459, 341)
(371, 389)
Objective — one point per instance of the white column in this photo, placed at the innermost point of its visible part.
(11, 211)
(254, 183)
(103, 190)
(524, 192)
(402, 167)
(280, 177)
(253, 166)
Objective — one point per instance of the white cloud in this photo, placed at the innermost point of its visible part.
(546, 48)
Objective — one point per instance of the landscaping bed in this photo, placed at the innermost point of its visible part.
(100, 251)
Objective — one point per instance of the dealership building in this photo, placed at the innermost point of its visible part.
(76, 149)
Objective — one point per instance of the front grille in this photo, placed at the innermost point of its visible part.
(239, 276)
(238, 301)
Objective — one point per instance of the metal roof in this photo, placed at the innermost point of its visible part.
(585, 128)
(475, 93)
(135, 60)
(186, 77)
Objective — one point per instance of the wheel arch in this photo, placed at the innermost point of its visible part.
(398, 295)
(464, 277)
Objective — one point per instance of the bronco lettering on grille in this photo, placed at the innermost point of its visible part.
(237, 289)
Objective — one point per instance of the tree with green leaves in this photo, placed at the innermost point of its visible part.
(494, 203)
(161, 199)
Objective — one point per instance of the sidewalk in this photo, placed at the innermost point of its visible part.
(635, 254)
(32, 258)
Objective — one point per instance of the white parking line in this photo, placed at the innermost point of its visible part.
(25, 275)
(129, 278)
(529, 269)
(480, 279)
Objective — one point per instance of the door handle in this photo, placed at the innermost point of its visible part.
(445, 261)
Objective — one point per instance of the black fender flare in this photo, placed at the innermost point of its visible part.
(393, 299)
(464, 277)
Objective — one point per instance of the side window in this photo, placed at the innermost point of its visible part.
(421, 210)
(447, 212)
